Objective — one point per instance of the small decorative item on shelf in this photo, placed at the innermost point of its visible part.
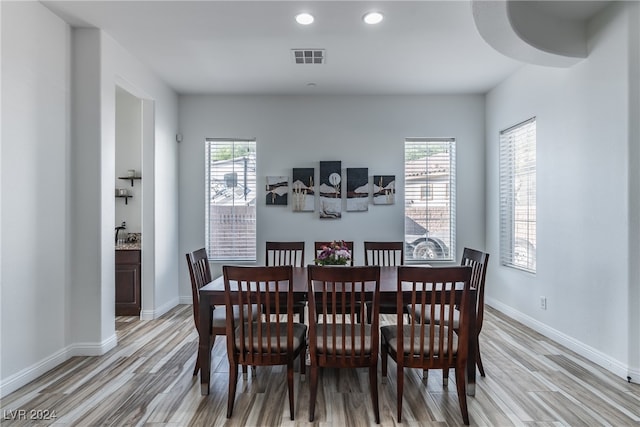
(334, 253)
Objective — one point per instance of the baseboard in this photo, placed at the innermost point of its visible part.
(607, 362)
(25, 376)
(154, 314)
(186, 299)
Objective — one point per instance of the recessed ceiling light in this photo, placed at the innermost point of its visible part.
(373, 18)
(304, 18)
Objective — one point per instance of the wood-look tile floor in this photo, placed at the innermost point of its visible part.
(147, 381)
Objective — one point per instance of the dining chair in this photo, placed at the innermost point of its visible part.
(384, 254)
(200, 274)
(287, 253)
(263, 340)
(430, 345)
(340, 340)
(319, 245)
(478, 262)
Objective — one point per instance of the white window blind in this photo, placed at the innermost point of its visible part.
(518, 196)
(430, 195)
(230, 199)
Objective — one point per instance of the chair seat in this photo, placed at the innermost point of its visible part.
(390, 336)
(339, 334)
(274, 332)
(219, 315)
(426, 316)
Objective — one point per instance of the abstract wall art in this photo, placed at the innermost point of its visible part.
(330, 189)
(277, 190)
(357, 189)
(384, 189)
(303, 198)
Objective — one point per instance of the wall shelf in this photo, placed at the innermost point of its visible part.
(126, 198)
(130, 178)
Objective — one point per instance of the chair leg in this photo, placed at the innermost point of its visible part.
(290, 386)
(384, 354)
(244, 372)
(233, 380)
(478, 359)
(196, 369)
(462, 392)
(373, 384)
(425, 375)
(400, 381)
(303, 362)
(313, 389)
(445, 377)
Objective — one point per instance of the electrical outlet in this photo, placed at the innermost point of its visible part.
(543, 303)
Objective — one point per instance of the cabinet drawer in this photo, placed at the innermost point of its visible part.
(128, 256)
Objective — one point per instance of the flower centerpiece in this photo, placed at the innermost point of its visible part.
(334, 253)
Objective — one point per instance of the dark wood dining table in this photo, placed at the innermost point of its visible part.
(213, 294)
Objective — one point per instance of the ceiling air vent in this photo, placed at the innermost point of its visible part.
(308, 56)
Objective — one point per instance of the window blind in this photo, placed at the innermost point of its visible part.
(230, 199)
(430, 195)
(518, 196)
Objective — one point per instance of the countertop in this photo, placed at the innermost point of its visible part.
(128, 246)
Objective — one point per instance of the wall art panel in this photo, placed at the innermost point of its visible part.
(303, 197)
(357, 189)
(277, 190)
(330, 189)
(384, 189)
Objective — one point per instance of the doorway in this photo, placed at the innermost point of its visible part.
(128, 206)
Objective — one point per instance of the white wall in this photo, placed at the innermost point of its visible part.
(583, 204)
(300, 131)
(159, 163)
(58, 204)
(35, 226)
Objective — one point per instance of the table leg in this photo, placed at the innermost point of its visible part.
(204, 347)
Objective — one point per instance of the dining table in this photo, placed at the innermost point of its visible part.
(213, 294)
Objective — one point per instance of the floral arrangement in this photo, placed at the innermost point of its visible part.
(334, 253)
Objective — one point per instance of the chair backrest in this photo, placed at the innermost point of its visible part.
(319, 245)
(200, 274)
(441, 344)
(284, 253)
(258, 339)
(384, 253)
(339, 294)
(478, 262)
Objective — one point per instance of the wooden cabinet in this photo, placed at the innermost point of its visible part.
(128, 278)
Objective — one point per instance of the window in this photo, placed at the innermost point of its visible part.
(518, 196)
(429, 189)
(230, 191)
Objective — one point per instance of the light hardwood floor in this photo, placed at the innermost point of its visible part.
(147, 381)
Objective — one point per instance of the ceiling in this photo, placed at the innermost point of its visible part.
(244, 47)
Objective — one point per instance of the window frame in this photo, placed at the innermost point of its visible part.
(250, 184)
(444, 241)
(518, 220)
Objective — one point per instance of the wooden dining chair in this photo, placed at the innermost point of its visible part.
(430, 345)
(384, 254)
(262, 340)
(319, 245)
(478, 262)
(200, 274)
(287, 253)
(340, 341)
